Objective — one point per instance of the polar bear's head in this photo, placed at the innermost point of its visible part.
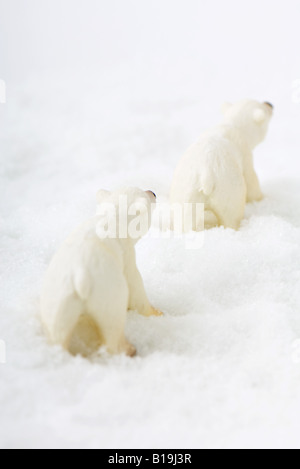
(251, 117)
(125, 213)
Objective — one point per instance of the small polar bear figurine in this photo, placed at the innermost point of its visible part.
(218, 170)
(93, 279)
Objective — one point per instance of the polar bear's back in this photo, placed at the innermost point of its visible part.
(204, 165)
(85, 271)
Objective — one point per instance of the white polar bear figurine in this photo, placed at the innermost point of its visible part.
(218, 170)
(93, 279)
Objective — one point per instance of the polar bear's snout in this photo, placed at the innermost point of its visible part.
(151, 193)
(269, 104)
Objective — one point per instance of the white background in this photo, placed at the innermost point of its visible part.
(108, 93)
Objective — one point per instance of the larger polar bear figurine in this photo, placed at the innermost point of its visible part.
(93, 279)
(218, 170)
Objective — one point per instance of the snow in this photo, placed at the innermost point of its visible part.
(113, 98)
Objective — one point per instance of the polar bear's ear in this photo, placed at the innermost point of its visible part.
(225, 108)
(259, 116)
(102, 196)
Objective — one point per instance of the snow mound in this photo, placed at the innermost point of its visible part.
(222, 367)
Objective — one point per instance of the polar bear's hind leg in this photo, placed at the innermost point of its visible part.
(210, 220)
(86, 337)
(109, 311)
(67, 319)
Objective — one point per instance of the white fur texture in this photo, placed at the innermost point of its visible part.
(218, 170)
(92, 282)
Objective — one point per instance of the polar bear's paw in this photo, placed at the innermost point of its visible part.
(130, 350)
(155, 312)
